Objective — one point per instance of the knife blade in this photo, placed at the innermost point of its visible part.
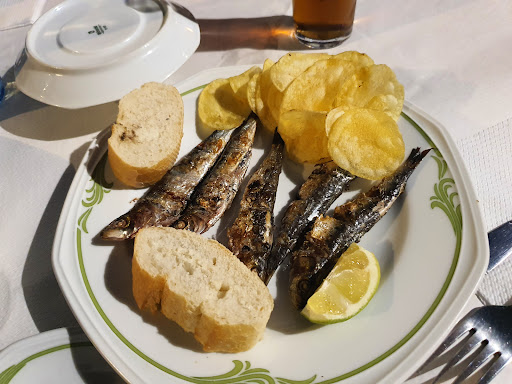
(500, 244)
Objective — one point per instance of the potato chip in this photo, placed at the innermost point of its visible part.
(380, 103)
(373, 87)
(316, 88)
(367, 143)
(219, 108)
(264, 82)
(304, 135)
(360, 59)
(267, 64)
(333, 115)
(389, 104)
(284, 72)
(262, 90)
(274, 99)
(292, 65)
(239, 83)
(251, 90)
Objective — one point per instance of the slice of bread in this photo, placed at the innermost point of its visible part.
(202, 286)
(146, 136)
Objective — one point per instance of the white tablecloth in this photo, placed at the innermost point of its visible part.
(452, 56)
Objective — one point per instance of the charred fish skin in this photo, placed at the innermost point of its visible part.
(331, 236)
(215, 193)
(251, 235)
(162, 204)
(319, 191)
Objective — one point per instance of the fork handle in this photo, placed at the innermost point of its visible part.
(7, 90)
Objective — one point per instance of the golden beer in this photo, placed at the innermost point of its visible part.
(323, 23)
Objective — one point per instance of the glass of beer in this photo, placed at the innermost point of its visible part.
(323, 23)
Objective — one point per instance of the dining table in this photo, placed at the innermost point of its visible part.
(453, 58)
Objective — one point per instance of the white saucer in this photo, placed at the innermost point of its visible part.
(83, 53)
(58, 356)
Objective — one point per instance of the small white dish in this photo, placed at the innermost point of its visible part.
(431, 246)
(83, 53)
(58, 356)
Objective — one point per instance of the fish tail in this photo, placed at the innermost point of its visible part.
(416, 156)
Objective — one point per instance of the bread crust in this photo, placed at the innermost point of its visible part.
(163, 101)
(172, 291)
(138, 177)
(147, 289)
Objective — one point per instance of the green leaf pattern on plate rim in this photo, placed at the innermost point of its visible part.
(7, 375)
(242, 372)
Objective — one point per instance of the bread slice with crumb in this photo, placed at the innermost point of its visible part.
(202, 286)
(146, 136)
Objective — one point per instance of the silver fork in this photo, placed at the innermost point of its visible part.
(486, 334)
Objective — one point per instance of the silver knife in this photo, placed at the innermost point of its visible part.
(500, 244)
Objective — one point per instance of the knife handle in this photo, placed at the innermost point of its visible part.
(500, 244)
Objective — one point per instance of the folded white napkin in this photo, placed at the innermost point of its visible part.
(488, 156)
(33, 188)
(17, 13)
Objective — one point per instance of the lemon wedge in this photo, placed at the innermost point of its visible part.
(348, 288)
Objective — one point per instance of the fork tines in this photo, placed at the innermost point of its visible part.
(482, 341)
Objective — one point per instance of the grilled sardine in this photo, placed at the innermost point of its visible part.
(216, 192)
(323, 186)
(330, 237)
(162, 204)
(250, 236)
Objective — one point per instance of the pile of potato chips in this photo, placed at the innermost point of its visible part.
(341, 107)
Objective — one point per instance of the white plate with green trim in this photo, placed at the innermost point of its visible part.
(431, 246)
(59, 356)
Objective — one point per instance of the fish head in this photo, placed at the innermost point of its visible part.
(120, 229)
(193, 223)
